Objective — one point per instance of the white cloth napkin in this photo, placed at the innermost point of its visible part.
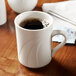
(66, 9)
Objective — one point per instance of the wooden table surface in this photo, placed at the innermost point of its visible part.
(62, 64)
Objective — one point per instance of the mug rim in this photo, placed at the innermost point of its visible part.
(41, 12)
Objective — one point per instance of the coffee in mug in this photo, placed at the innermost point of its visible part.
(34, 24)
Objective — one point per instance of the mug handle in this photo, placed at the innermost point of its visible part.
(58, 32)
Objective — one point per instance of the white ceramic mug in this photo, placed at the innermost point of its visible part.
(20, 6)
(3, 17)
(35, 46)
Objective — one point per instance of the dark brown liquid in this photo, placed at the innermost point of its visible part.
(32, 24)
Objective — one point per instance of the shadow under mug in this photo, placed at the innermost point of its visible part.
(35, 46)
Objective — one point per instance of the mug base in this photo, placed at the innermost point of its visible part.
(34, 67)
